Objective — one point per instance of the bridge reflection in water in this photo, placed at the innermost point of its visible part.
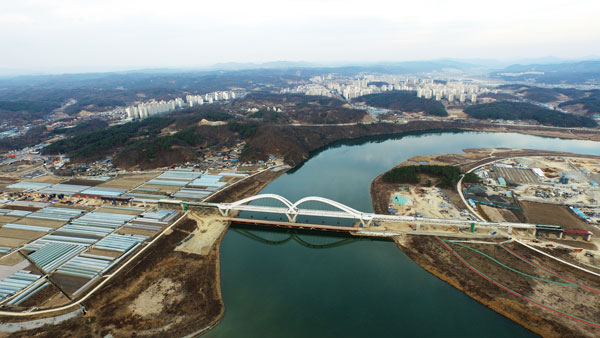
(325, 240)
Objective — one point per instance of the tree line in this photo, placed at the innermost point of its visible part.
(447, 175)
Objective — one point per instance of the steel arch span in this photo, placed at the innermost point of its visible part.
(292, 210)
(264, 196)
(365, 218)
(327, 201)
(241, 205)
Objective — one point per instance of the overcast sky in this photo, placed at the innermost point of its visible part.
(93, 35)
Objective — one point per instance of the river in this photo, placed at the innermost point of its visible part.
(281, 284)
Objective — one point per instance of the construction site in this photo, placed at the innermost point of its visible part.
(546, 278)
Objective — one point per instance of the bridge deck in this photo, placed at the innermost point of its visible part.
(294, 225)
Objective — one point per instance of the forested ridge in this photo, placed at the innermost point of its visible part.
(506, 110)
(404, 101)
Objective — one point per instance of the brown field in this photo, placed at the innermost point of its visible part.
(21, 207)
(12, 259)
(162, 189)
(248, 187)
(7, 180)
(134, 231)
(8, 219)
(129, 181)
(542, 213)
(120, 211)
(41, 222)
(21, 234)
(79, 181)
(101, 252)
(491, 213)
(497, 214)
(12, 242)
(47, 179)
(229, 179)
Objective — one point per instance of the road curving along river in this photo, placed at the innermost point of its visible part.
(287, 284)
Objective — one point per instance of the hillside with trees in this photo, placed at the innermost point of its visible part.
(300, 108)
(94, 140)
(506, 110)
(100, 141)
(405, 101)
(590, 103)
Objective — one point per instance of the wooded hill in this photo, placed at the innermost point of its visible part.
(405, 101)
(506, 110)
(447, 175)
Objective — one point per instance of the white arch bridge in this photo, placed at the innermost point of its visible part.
(293, 210)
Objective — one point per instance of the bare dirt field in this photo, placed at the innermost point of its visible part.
(129, 181)
(8, 219)
(12, 259)
(48, 179)
(12, 242)
(120, 211)
(21, 234)
(101, 252)
(428, 201)
(40, 222)
(497, 214)
(135, 231)
(209, 229)
(162, 189)
(541, 213)
(245, 188)
(81, 181)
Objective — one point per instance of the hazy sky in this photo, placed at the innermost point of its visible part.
(85, 35)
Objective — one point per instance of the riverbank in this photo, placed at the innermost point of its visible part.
(431, 255)
(438, 258)
(296, 144)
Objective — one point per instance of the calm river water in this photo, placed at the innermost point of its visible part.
(278, 284)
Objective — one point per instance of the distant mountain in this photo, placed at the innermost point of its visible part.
(265, 65)
(583, 72)
(403, 67)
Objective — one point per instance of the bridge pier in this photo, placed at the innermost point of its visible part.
(224, 211)
(292, 217)
(366, 223)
